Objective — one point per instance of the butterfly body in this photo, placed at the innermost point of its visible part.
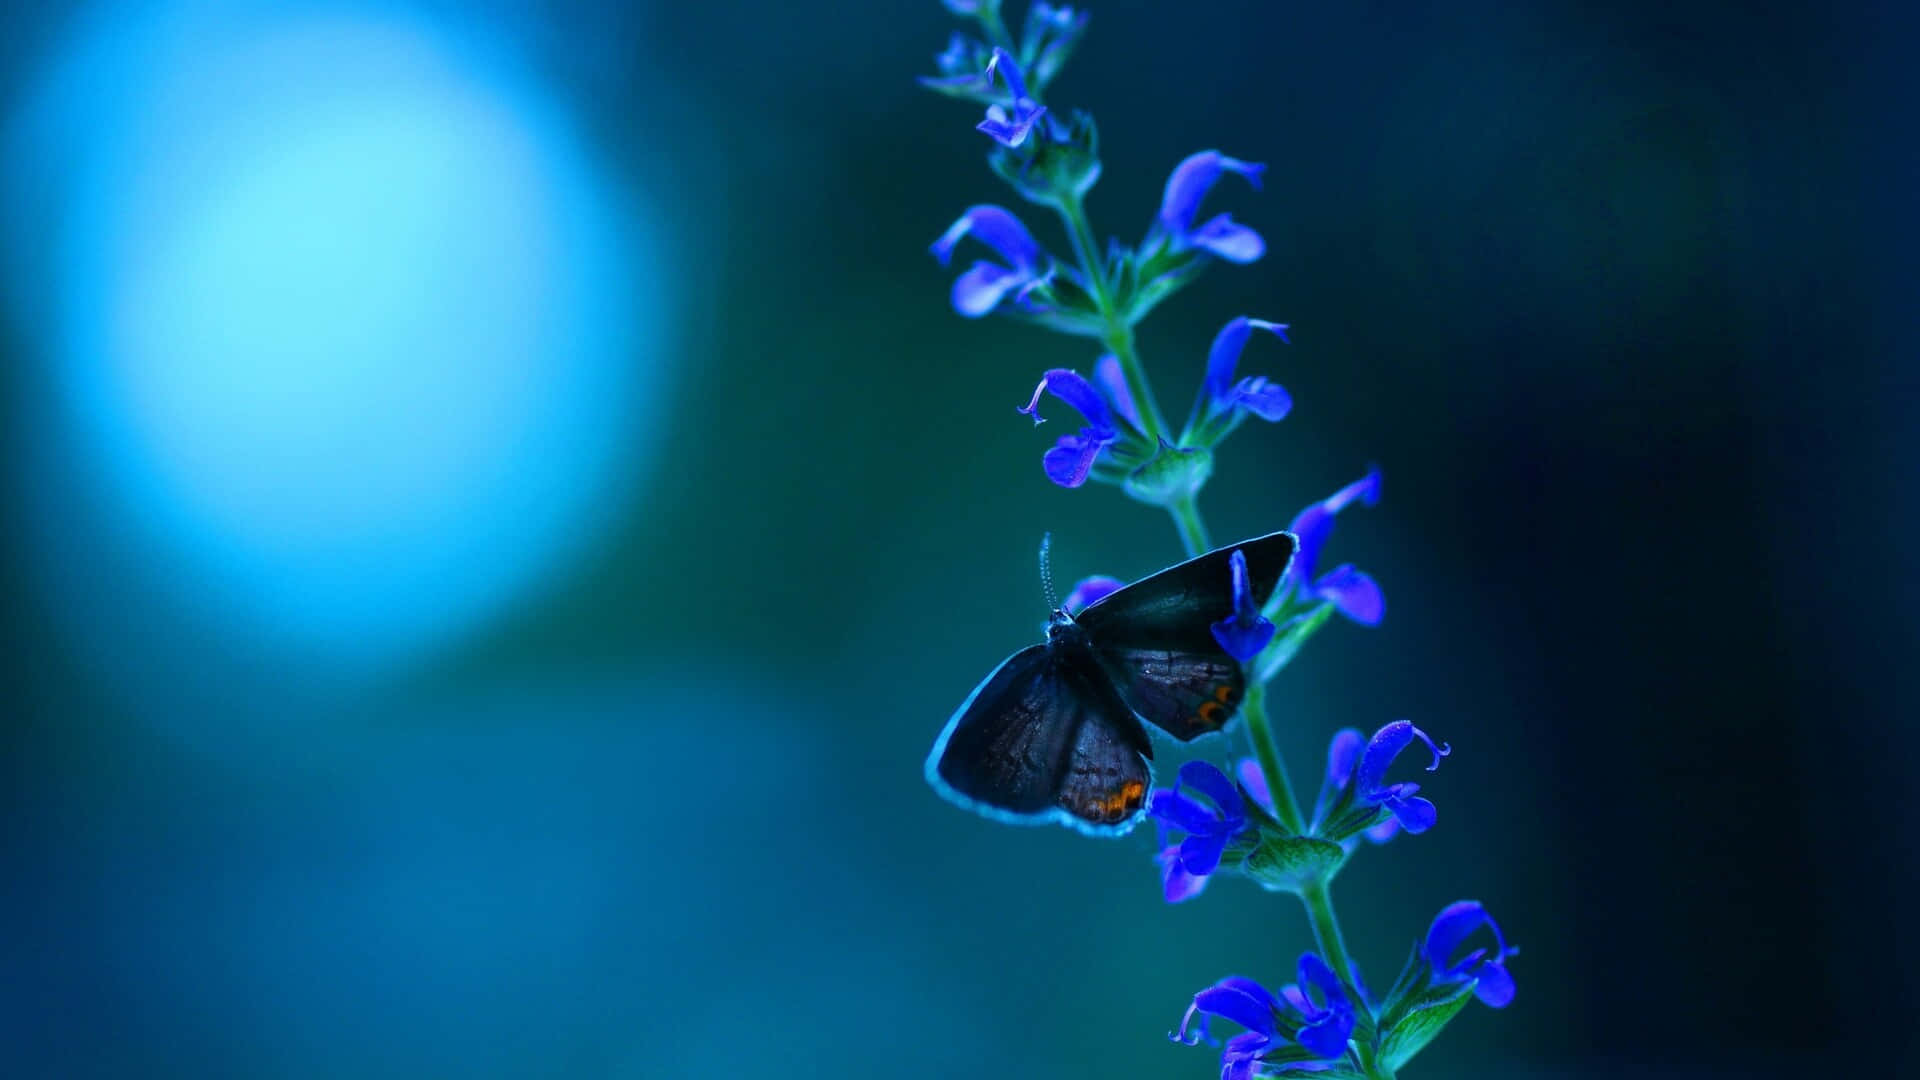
(1055, 733)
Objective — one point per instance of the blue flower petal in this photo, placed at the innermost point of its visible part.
(1180, 812)
(1242, 1001)
(1069, 387)
(1245, 632)
(1113, 383)
(1209, 781)
(1228, 239)
(1200, 852)
(1355, 594)
(1449, 931)
(1262, 397)
(1176, 883)
(1342, 752)
(997, 228)
(1416, 815)
(1070, 461)
(1010, 129)
(1192, 179)
(1243, 639)
(1496, 985)
(982, 287)
(1255, 782)
(1090, 591)
(1314, 972)
(1223, 356)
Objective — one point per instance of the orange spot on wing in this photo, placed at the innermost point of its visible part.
(1125, 801)
(1223, 694)
(1209, 714)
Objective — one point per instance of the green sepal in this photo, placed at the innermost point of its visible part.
(1285, 863)
(1174, 474)
(1413, 1022)
(1292, 634)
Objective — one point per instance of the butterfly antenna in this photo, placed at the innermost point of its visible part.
(1046, 571)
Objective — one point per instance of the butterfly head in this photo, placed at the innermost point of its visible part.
(1061, 627)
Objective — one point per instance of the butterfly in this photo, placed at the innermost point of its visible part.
(1055, 733)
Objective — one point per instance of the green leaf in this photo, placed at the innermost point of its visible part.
(1285, 863)
(1420, 1018)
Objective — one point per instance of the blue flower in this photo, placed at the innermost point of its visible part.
(1416, 815)
(1350, 590)
(1209, 829)
(1010, 126)
(1245, 632)
(1321, 1028)
(981, 288)
(1220, 235)
(1223, 402)
(1355, 789)
(1343, 753)
(1450, 930)
(1072, 458)
(1090, 591)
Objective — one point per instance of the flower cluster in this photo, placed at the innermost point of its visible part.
(1210, 824)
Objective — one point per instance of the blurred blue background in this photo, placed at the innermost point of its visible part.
(498, 507)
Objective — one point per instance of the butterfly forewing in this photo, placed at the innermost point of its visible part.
(1155, 637)
(1043, 739)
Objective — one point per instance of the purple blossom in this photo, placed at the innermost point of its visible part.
(1220, 235)
(1350, 590)
(1071, 459)
(1450, 930)
(1321, 1027)
(1210, 827)
(1245, 632)
(985, 284)
(1222, 396)
(1010, 126)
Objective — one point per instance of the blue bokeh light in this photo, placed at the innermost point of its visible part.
(338, 335)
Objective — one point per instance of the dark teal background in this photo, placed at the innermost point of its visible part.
(1619, 297)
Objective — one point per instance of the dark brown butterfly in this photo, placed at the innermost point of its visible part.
(1055, 733)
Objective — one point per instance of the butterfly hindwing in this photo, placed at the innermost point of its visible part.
(1042, 739)
(1155, 637)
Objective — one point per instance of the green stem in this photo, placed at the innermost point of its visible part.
(1118, 334)
(1267, 752)
(1193, 531)
(1326, 931)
